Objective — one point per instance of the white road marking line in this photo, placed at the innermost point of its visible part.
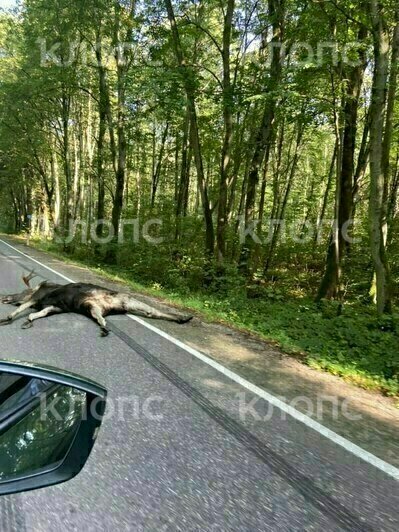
(37, 262)
(354, 449)
(296, 414)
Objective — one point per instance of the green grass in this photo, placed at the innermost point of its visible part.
(355, 345)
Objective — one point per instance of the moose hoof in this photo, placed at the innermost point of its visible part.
(185, 319)
(5, 321)
(104, 332)
(27, 325)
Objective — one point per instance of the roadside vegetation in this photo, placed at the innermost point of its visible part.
(345, 340)
(237, 157)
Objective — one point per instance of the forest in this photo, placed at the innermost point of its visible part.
(239, 157)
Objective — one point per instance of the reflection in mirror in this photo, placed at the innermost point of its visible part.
(39, 420)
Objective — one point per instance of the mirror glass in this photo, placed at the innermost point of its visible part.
(39, 420)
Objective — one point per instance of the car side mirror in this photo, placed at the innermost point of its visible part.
(49, 421)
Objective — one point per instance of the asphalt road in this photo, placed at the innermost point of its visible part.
(177, 450)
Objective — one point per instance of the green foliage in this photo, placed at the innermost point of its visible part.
(350, 342)
(81, 140)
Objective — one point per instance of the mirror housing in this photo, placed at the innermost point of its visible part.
(39, 445)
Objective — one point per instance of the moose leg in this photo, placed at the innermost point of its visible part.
(141, 309)
(42, 314)
(17, 312)
(97, 315)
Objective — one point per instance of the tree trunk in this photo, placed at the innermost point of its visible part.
(183, 187)
(228, 133)
(393, 198)
(265, 133)
(187, 78)
(325, 197)
(68, 213)
(339, 243)
(104, 113)
(57, 192)
(157, 173)
(281, 214)
(362, 161)
(354, 85)
(377, 206)
(122, 67)
(389, 121)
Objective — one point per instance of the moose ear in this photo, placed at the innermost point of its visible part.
(55, 414)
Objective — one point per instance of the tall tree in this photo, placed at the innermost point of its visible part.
(189, 86)
(378, 199)
(228, 131)
(264, 135)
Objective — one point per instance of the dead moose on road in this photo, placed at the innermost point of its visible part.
(91, 300)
